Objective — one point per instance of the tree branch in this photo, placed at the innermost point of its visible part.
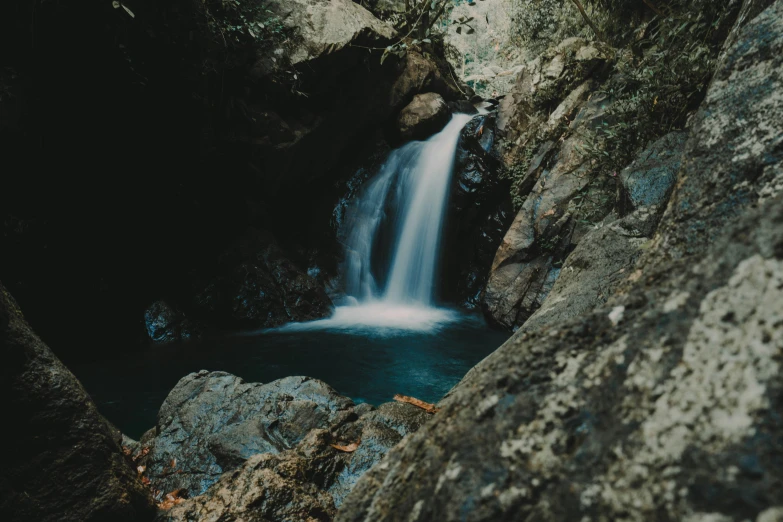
(587, 19)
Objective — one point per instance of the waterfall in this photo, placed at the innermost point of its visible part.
(413, 186)
(393, 230)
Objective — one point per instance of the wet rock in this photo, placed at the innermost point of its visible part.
(419, 74)
(267, 487)
(253, 285)
(649, 180)
(212, 422)
(307, 482)
(379, 430)
(63, 462)
(422, 117)
(478, 215)
(462, 107)
(265, 452)
(165, 324)
(663, 403)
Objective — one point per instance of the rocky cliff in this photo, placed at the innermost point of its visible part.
(664, 402)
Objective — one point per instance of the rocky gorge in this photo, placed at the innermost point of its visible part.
(616, 205)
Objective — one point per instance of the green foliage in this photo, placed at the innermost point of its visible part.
(418, 21)
(542, 23)
(660, 77)
(238, 22)
(662, 64)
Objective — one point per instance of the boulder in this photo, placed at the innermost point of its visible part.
(212, 422)
(423, 117)
(663, 403)
(391, 10)
(254, 285)
(165, 324)
(416, 74)
(323, 28)
(277, 451)
(63, 461)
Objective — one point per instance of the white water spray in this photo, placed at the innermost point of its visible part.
(408, 196)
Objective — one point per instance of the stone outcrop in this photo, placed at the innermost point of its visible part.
(605, 256)
(663, 403)
(425, 115)
(478, 215)
(212, 422)
(253, 285)
(164, 323)
(276, 451)
(62, 461)
(560, 193)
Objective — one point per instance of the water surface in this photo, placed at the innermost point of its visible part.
(368, 364)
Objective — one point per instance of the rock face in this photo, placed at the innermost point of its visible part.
(664, 403)
(551, 118)
(478, 215)
(165, 324)
(560, 194)
(253, 285)
(650, 179)
(605, 257)
(249, 451)
(422, 117)
(63, 463)
(547, 89)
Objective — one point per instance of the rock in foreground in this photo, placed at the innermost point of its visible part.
(62, 462)
(288, 450)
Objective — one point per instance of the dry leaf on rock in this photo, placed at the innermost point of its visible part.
(350, 448)
(426, 406)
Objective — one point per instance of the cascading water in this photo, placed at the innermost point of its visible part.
(408, 197)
